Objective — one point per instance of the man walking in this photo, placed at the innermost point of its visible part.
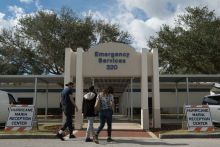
(68, 104)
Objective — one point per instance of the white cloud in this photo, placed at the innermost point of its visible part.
(139, 30)
(16, 10)
(26, 1)
(154, 23)
(2, 15)
(6, 23)
(124, 19)
(158, 12)
(96, 15)
(142, 30)
(2, 20)
(166, 8)
(152, 8)
(38, 5)
(17, 13)
(11, 21)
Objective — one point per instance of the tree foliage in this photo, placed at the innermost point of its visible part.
(37, 44)
(192, 46)
(16, 55)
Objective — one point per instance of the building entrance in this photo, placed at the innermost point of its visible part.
(119, 65)
(127, 97)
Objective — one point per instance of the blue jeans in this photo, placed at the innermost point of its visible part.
(105, 116)
(90, 127)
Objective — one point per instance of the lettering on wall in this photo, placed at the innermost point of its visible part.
(112, 60)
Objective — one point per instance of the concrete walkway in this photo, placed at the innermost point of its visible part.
(120, 128)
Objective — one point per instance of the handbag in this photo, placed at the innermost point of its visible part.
(97, 105)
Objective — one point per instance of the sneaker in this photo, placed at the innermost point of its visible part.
(109, 139)
(88, 140)
(72, 136)
(95, 139)
(60, 136)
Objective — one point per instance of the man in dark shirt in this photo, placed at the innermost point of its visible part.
(68, 104)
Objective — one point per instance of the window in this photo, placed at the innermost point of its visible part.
(212, 100)
(25, 100)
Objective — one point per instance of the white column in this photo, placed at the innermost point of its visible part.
(131, 98)
(156, 91)
(35, 92)
(79, 89)
(67, 69)
(128, 105)
(35, 102)
(177, 101)
(46, 107)
(144, 91)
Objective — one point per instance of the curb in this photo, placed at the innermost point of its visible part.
(161, 136)
(173, 136)
(52, 136)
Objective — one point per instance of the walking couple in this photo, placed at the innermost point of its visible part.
(104, 100)
(91, 100)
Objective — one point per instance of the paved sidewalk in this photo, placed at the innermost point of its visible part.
(120, 130)
(120, 133)
(81, 134)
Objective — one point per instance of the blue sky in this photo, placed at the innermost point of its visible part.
(141, 18)
(77, 5)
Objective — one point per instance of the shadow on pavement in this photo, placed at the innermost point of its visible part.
(146, 142)
(134, 141)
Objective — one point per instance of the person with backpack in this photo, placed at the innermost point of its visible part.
(88, 111)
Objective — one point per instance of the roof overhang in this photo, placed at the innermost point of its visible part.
(31, 78)
(191, 78)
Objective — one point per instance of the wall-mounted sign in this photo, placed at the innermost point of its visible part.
(111, 59)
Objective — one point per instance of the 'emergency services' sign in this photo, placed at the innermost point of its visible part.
(20, 116)
(198, 117)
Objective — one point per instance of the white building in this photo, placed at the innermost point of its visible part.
(139, 90)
